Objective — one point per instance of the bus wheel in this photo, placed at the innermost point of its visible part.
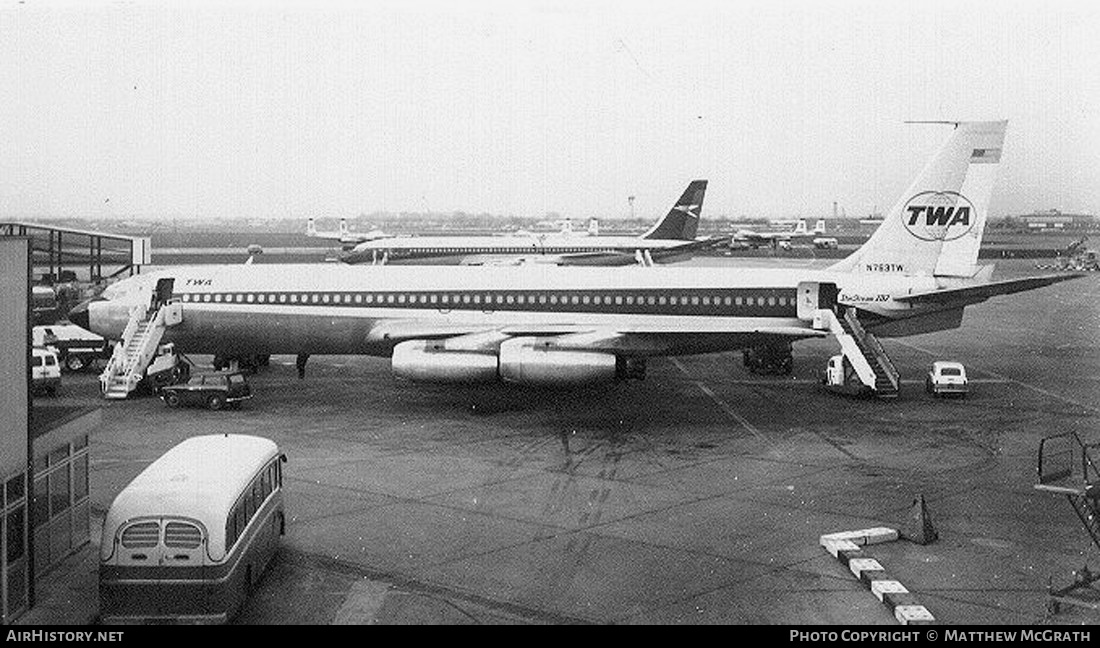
(215, 402)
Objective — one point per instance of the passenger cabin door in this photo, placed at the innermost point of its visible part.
(814, 296)
(164, 291)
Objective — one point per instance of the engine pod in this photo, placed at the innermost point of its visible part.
(428, 361)
(535, 361)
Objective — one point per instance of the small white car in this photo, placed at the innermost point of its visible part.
(946, 378)
(45, 371)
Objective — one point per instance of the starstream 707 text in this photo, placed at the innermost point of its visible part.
(52, 635)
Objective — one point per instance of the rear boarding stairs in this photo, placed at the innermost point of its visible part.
(1066, 468)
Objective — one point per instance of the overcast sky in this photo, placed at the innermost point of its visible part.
(290, 110)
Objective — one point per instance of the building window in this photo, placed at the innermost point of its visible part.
(80, 477)
(41, 502)
(59, 491)
(15, 488)
(16, 531)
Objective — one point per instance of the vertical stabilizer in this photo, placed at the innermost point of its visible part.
(682, 221)
(936, 227)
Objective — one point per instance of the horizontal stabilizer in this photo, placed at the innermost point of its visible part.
(982, 292)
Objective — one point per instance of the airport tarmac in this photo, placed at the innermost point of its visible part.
(695, 496)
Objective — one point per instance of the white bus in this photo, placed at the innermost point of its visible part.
(190, 536)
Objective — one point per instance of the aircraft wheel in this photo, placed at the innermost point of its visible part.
(172, 400)
(74, 362)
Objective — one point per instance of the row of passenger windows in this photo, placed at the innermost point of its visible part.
(268, 481)
(478, 298)
(494, 250)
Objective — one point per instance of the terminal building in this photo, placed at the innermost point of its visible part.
(1056, 220)
(44, 502)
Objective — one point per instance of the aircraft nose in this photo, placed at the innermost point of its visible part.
(79, 314)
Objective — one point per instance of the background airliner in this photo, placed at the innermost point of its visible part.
(345, 236)
(671, 238)
(753, 239)
(546, 325)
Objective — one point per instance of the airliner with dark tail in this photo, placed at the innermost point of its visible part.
(547, 325)
(671, 238)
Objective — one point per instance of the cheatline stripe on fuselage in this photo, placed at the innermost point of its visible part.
(729, 302)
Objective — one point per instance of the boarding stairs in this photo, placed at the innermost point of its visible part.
(863, 351)
(137, 348)
(1066, 467)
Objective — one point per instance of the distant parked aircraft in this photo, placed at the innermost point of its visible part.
(781, 238)
(671, 238)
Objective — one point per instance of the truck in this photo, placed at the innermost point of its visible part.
(76, 348)
(167, 368)
(840, 377)
(45, 371)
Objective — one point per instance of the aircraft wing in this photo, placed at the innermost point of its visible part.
(982, 292)
(640, 338)
(622, 258)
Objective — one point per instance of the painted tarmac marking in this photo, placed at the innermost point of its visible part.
(727, 409)
(839, 448)
(365, 599)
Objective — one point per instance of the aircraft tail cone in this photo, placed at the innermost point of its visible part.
(920, 529)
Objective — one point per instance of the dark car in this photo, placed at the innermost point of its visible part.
(210, 390)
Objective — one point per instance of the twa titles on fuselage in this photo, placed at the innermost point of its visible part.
(542, 325)
(672, 238)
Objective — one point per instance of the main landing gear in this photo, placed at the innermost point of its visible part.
(773, 358)
(246, 363)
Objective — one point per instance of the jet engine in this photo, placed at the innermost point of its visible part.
(535, 361)
(523, 361)
(429, 361)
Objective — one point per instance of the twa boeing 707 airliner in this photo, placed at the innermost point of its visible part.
(548, 325)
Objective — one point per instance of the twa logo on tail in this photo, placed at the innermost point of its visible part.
(939, 216)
